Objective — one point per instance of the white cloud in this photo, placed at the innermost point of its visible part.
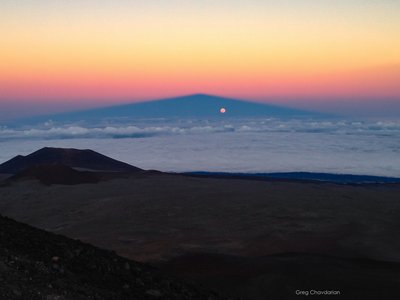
(252, 145)
(50, 131)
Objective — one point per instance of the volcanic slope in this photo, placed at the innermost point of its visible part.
(36, 265)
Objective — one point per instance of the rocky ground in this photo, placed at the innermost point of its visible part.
(282, 276)
(35, 264)
(254, 238)
(161, 216)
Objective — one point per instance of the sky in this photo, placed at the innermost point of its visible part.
(327, 55)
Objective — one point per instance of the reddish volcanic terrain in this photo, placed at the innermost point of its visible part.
(233, 235)
(56, 174)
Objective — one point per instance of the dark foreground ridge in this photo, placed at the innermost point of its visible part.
(341, 237)
(35, 264)
(74, 158)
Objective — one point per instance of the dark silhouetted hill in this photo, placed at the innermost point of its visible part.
(74, 158)
(38, 265)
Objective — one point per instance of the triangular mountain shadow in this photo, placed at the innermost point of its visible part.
(191, 106)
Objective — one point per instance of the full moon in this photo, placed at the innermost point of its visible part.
(222, 110)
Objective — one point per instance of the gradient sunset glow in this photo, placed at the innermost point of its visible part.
(84, 53)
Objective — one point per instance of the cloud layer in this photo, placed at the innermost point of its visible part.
(145, 129)
(251, 145)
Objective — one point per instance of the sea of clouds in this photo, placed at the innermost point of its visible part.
(229, 145)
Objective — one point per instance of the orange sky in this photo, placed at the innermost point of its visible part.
(100, 52)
